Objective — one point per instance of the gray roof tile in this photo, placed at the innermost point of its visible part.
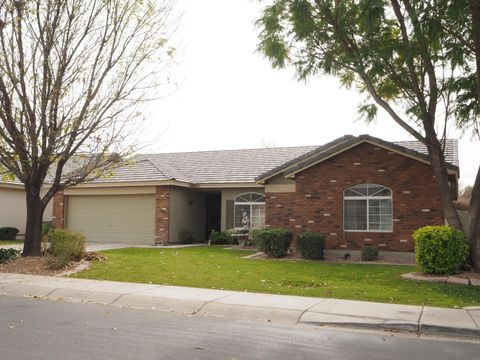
(240, 166)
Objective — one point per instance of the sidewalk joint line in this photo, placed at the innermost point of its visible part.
(471, 317)
(209, 301)
(307, 309)
(51, 292)
(118, 298)
(420, 318)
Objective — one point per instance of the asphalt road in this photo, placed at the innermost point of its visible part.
(43, 329)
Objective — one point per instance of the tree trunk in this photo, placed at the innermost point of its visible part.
(474, 224)
(33, 229)
(441, 176)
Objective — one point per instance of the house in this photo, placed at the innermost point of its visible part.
(355, 190)
(13, 209)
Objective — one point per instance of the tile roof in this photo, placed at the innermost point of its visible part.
(245, 165)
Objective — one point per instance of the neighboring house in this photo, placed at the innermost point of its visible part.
(13, 209)
(355, 190)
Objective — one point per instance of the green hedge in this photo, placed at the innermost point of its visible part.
(220, 238)
(8, 233)
(369, 253)
(310, 245)
(440, 249)
(273, 242)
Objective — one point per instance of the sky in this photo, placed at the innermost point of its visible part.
(227, 96)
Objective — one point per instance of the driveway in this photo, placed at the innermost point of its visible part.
(109, 246)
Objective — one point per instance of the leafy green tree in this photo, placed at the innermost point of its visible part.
(72, 74)
(419, 60)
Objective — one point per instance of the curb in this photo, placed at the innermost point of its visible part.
(283, 309)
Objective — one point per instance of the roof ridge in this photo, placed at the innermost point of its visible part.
(223, 150)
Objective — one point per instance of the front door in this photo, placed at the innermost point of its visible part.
(213, 212)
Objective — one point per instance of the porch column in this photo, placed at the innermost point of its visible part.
(162, 214)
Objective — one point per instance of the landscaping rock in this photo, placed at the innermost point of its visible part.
(475, 282)
(423, 277)
(457, 280)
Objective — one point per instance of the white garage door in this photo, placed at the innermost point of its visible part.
(127, 219)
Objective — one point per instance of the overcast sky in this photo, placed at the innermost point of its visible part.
(229, 97)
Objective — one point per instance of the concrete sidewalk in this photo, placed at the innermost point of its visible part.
(243, 305)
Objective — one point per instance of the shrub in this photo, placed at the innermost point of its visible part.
(253, 234)
(369, 253)
(7, 255)
(310, 245)
(8, 233)
(220, 238)
(273, 242)
(440, 249)
(46, 228)
(63, 247)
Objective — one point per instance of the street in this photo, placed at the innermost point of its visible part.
(45, 329)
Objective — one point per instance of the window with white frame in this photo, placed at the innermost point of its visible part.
(368, 207)
(249, 211)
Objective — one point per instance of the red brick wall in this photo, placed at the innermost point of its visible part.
(317, 204)
(162, 214)
(58, 212)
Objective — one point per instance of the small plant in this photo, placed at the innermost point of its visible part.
(63, 247)
(369, 253)
(310, 245)
(46, 228)
(8, 233)
(273, 242)
(7, 255)
(440, 249)
(220, 238)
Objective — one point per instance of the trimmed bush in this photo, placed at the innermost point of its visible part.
(220, 238)
(253, 234)
(310, 245)
(369, 253)
(440, 249)
(273, 242)
(7, 255)
(8, 233)
(64, 246)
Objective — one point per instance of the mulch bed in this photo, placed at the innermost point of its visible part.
(37, 265)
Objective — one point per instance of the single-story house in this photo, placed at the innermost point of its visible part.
(13, 209)
(355, 190)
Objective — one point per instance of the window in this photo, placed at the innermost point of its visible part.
(249, 211)
(368, 207)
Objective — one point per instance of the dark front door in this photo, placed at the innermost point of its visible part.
(213, 212)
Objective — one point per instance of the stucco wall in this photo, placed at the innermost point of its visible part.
(187, 212)
(230, 194)
(13, 210)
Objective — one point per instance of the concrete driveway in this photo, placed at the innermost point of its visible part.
(109, 246)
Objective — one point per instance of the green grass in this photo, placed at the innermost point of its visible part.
(217, 268)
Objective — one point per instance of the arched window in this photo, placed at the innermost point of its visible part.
(368, 207)
(249, 211)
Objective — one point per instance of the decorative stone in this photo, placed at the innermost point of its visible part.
(457, 280)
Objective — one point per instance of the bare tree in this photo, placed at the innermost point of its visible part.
(72, 76)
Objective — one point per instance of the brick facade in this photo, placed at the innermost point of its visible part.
(162, 214)
(317, 203)
(58, 210)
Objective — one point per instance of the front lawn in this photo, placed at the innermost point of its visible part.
(217, 268)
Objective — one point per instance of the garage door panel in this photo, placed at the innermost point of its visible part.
(113, 218)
